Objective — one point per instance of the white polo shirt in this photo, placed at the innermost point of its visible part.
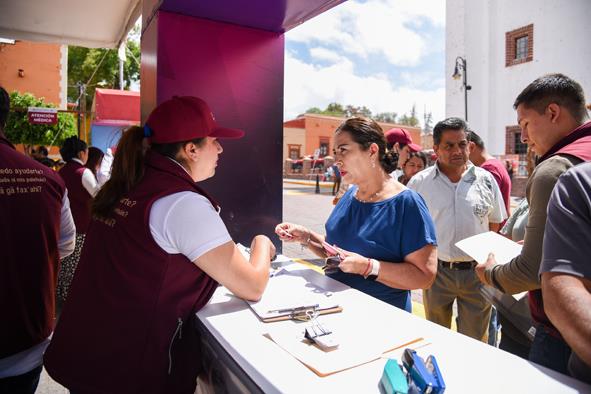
(461, 209)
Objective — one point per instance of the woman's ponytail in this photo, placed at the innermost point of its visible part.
(127, 171)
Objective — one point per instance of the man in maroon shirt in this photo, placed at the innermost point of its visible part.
(481, 158)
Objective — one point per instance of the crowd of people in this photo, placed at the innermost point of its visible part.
(142, 246)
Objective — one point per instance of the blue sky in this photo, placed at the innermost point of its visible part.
(384, 54)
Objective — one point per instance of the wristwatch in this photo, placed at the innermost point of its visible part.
(375, 270)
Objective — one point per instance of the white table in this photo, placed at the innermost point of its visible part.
(467, 365)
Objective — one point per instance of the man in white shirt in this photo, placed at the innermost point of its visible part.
(464, 200)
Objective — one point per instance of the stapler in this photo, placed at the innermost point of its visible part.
(423, 375)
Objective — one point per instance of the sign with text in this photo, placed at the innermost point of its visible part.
(42, 115)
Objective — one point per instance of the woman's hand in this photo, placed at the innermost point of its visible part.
(353, 263)
(290, 232)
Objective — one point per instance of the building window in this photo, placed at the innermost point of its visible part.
(520, 147)
(519, 45)
(324, 145)
(294, 152)
(521, 48)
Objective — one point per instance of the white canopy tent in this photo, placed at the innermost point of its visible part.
(88, 23)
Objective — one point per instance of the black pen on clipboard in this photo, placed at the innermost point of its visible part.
(297, 308)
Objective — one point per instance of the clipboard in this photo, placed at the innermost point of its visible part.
(290, 296)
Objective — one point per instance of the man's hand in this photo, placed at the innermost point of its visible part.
(480, 268)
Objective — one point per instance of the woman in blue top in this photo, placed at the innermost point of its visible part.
(383, 230)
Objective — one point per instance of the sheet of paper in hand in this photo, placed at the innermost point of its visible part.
(479, 246)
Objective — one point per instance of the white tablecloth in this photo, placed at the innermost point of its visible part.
(467, 365)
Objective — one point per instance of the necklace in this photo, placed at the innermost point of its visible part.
(368, 199)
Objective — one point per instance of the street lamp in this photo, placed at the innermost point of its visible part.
(462, 65)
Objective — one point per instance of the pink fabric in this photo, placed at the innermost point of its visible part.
(499, 172)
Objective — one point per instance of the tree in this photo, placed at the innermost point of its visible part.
(314, 110)
(83, 62)
(428, 122)
(351, 110)
(386, 117)
(334, 109)
(409, 120)
(19, 131)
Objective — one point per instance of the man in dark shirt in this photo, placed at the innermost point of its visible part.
(566, 269)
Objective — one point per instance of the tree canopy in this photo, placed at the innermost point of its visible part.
(82, 63)
(336, 109)
(19, 131)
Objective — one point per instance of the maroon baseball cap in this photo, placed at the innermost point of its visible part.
(184, 118)
(402, 136)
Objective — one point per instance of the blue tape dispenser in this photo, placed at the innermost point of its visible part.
(423, 375)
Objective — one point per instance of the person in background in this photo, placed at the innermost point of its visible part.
(416, 162)
(383, 230)
(400, 141)
(155, 252)
(509, 167)
(480, 157)
(82, 186)
(336, 185)
(104, 172)
(464, 200)
(36, 228)
(565, 268)
(41, 155)
(554, 122)
(95, 158)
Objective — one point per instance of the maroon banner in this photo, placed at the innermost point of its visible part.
(46, 116)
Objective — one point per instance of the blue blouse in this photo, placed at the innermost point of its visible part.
(386, 230)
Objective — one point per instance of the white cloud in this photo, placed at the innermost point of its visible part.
(323, 54)
(309, 86)
(381, 27)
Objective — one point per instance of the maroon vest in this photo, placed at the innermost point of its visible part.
(79, 197)
(578, 145)
(127, 326)
(30, 207)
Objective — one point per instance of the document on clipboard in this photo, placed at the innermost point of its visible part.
(289, 295)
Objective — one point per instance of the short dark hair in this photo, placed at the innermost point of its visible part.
(471, 136)
(554, 88)
(42, 150)
(421, 155)
(4, 107)
(365, 131)
(448, 124)
(71, 147)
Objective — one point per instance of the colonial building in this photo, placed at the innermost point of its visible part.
(507, 44)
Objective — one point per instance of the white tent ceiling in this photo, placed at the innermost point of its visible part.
(89, 23)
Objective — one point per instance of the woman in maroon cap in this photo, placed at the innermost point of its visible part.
(155, 252)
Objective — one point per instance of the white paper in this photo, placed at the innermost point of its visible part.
(479, 246)
(286, 291)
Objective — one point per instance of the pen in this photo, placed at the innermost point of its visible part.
(293, 309)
